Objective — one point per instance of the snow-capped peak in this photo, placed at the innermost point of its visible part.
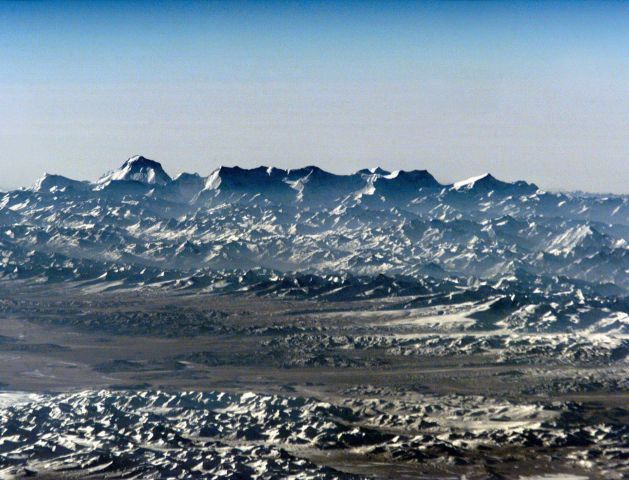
(185, 177)
(487, 182)
(139, 169)
(472, 181)
(373, 171)
(55, 183)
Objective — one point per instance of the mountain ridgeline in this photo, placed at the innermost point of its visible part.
(309, 186)
(138, 226)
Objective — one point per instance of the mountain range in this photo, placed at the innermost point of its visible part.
(139, 223)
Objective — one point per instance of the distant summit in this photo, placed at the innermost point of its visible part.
(58, 183)
(487, 182)
(373, 171)
(138, 169)
(484, 181)
(412, 179)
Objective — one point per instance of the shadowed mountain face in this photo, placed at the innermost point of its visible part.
(139, 222)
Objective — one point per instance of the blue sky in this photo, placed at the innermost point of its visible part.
(533, 90)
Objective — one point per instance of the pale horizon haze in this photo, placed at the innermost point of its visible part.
(537, 91)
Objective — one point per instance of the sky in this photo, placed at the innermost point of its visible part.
(525, 90)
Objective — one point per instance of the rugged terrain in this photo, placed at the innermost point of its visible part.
(296, 323)
(137, 226)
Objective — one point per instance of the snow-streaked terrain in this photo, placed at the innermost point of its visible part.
(286, 279)
(152, 434)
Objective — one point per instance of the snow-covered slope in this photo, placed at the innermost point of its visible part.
(488, 182)
(58, 183)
